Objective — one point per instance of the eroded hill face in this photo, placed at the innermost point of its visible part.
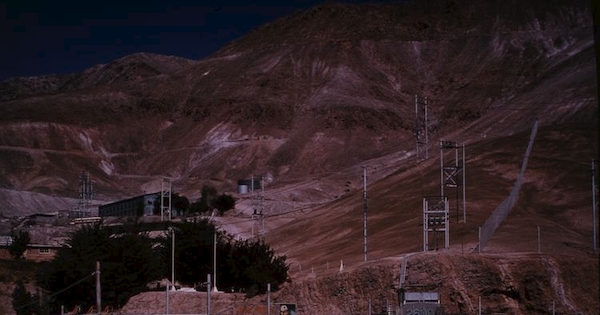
(523, 284)
(302, 97)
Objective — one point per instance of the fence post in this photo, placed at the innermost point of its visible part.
(539, 240)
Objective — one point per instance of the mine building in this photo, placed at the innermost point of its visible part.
(133, 207)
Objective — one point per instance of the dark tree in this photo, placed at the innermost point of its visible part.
(19, 244)
(23, 302)
(193, 250)
(208, 195)
(224, 202)
(178, 202)
(181, 203)
(253, 264)
(197, 207)
(206, 201)
(241, 265)
(127, 264)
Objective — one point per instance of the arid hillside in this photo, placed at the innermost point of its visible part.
(305, 96)
(505, 284)
(308, 102)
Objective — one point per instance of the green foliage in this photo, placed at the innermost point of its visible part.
(129, 260)
(197, 207)
(206, 201)
(224, 202)
(193, 250)
(178, 202)
(24, 303)
(181, 203)
(210, 200)
(252, 265)
(241, 265)
(208, 195)
(19, 244)
(13, 270)
(127, 264)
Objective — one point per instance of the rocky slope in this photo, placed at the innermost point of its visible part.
(514, 284)
(314, 104)
(122, 71)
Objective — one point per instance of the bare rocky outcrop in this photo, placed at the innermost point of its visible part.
(511, 284)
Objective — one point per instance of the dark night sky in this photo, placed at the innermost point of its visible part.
(57, 36)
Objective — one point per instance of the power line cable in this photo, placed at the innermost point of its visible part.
(60, 291)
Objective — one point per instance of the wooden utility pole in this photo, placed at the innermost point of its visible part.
(594, 223)
(268, 298)
(98, 295)
(208, 286)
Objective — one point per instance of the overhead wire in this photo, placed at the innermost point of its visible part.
(59, 291)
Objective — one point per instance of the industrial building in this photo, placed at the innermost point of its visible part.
(133, 207)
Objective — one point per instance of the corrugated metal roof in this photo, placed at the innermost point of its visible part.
(421, 296)
(5, 240)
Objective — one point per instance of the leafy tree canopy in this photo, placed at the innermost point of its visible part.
(19, 244)
(224, 202)
(178, 202)
(241, 265)
(129, 260)
(210, 200)
(23, 302)
(127, 264)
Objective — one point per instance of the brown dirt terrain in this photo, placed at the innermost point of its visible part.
(525, 283)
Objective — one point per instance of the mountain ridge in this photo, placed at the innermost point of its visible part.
(307, 98)
(129, 68)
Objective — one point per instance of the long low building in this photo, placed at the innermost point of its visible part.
(133, 207)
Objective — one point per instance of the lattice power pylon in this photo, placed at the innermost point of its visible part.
(452, 174)
(165, 199)
(436, 218)
(258, 205)
(421, 128)
(86, 194)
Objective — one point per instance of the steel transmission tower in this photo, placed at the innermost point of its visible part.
(436, 218)
(258, 205)
(86, 194)
(421, 128)
(165, 193)
(452, 173)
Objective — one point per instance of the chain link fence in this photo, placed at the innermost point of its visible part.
(492, 223)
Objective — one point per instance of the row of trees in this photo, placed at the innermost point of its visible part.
(208, 201)
(130, 259)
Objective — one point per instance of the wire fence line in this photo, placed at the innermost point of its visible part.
(500, 213)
